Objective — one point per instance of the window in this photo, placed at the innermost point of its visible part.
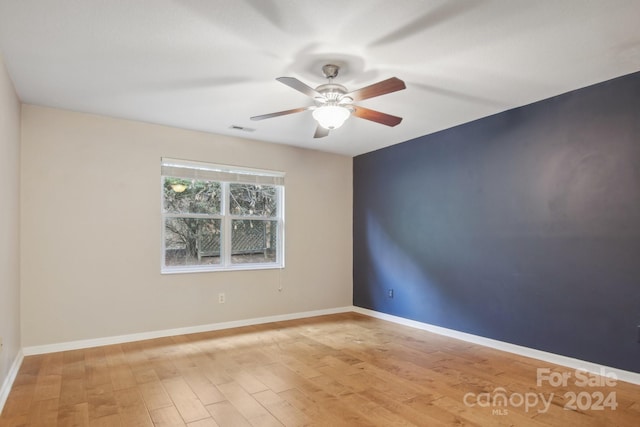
(217, 217)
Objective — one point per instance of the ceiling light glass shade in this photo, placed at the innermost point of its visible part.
(331, 116)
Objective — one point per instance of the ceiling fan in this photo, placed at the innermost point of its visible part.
(334, 104)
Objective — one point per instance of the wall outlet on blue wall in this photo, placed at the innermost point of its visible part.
(390, 295)
(638, 333)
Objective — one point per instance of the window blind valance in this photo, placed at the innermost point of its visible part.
(213, 172)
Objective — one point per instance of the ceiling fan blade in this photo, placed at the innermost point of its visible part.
(281, 113)
(296, 84)
(321, 132)
(376, 116)
(381, 88)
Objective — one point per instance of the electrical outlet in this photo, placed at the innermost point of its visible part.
(390, 293)
(221, 298)
(638, 333)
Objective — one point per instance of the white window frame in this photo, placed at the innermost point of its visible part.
(225, 175)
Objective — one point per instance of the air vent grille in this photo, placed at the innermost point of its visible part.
(242, 128)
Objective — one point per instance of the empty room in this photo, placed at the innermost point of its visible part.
(327, 213)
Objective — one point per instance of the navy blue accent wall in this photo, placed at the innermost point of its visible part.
(522, 227)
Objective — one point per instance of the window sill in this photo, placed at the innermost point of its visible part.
(210, 269)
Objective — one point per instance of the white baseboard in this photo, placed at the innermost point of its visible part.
(8, 382)
(96, 342)
(630, 377)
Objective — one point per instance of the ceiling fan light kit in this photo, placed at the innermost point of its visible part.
(334, 104)
(331, 116)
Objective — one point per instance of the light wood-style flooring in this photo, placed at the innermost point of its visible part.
(337, 370)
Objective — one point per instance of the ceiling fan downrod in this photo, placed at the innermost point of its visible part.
(330, 71)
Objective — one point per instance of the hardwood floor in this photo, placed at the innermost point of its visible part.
(337, 370)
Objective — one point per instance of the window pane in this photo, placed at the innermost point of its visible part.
(191, 196)
(252, 200)
(191, 241)
(253, 241)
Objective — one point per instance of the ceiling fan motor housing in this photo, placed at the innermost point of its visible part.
(331, 92)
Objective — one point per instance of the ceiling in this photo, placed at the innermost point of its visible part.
(209, 65)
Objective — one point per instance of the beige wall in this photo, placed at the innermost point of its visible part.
(91, 230)
(9, 223)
